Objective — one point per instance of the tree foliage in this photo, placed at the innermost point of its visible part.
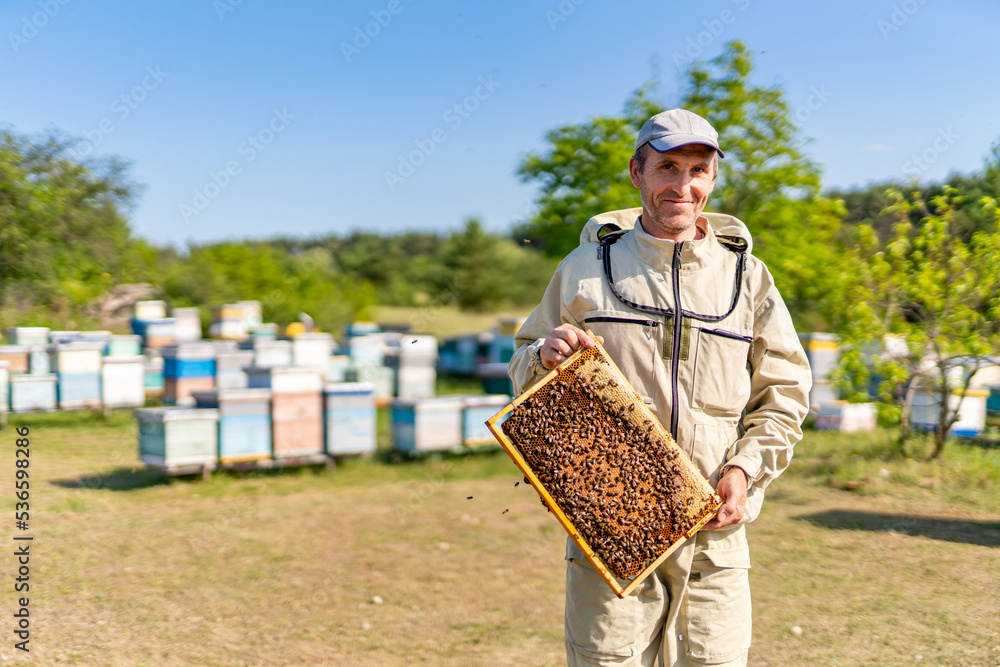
(64, 239)
(934, 291)
(764, 179)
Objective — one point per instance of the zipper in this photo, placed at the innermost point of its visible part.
(727, 334)
(675, 276)
(648, 324)
(624, 320)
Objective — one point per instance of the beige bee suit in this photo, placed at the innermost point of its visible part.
(737, 394)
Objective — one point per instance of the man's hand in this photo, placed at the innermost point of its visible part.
(732, 488)
(562, 342)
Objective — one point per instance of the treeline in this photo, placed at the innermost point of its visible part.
(67, 253)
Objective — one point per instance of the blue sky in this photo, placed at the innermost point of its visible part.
(251, 118)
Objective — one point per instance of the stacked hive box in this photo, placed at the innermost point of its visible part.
(496, 379)
(266, 331)
(150, 321)
(271, 353)
(296, 409)
(39, 362)
(153, 376)
(149, 310)
(78, 369)
(123, 382)
(187, 368)
(846, 417)
(244, 422)
(178, 437)
(187, 324)
(415, 365)
(350, 418)
(429, 424)
(16, 356)
(312, 350)
(156, 334)
(229, 369)
(971, 406)
(476, 411)
(32, 392)
(28, 336)
(227, 323)
(4, 386)
(124, 346)
(368, 365)
(823, 353)
(337, 367)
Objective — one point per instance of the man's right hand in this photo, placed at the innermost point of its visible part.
(562, 342)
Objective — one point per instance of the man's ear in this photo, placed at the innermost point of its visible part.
(633, 171)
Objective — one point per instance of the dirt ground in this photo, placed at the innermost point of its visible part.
(372, 564)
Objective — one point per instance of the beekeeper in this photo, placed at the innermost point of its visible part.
(695, 323)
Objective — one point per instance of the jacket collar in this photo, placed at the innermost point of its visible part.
(659, 253)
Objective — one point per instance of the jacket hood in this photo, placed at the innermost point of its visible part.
(625, 218)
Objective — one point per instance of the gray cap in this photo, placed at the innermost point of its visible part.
(675, 128)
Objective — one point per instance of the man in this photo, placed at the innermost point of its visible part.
(696, 325)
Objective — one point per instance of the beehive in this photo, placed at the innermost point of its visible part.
(17, 356)
(602, 463)
(124, 346)
(244, 422)
(32, 392)
(176, 437)
(4, 386)
(350, 418)
(476, 411)
(123, 382)
(427, 424)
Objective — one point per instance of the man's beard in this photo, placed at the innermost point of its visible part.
(658, 220)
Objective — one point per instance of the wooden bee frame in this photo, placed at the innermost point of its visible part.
(675, 479)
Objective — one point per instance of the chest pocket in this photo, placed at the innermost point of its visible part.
(632, 340)
(721, 375)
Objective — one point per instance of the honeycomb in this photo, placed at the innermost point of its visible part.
(608, 464)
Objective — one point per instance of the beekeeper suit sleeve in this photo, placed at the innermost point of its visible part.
(780, 380)
(525, 367)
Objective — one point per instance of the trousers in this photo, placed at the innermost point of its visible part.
(694, 609)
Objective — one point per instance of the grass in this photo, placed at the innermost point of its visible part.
(441, 320)
(282, 568)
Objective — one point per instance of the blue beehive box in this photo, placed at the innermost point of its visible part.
(477, 410)
(244, 422)
(176, 437)
(427, 424)
(32, 392)
(350, 418)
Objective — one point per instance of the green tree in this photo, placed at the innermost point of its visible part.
(64, 238)
(764, 179)
(584, 172)
(935, 292)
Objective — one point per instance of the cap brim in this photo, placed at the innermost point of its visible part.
(669, 143)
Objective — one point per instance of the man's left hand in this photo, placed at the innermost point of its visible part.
(732, 488)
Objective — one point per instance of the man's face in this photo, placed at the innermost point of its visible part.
(674, 187)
